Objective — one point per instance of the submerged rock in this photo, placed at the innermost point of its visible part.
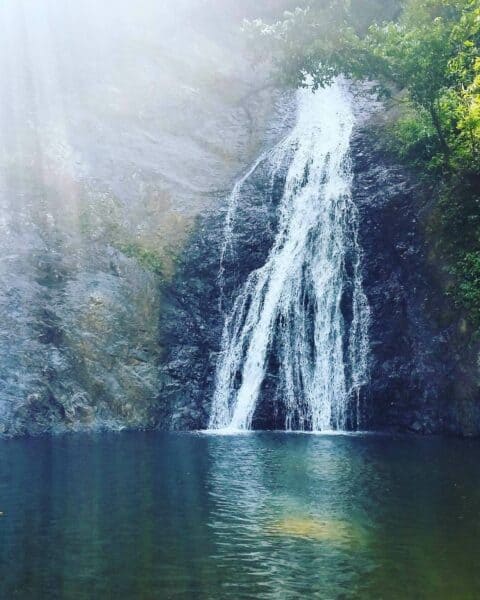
(312, 528)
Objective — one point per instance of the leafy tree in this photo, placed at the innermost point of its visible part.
(431, 51)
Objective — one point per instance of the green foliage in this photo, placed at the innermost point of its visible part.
(468, 291)
(455, 231)
(413, 139)
(311, 39)
(105, 223)
(430, 51)
(147, 258)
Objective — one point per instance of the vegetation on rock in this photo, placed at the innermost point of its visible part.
(425, 56)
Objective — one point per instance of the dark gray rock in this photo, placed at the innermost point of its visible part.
(192, 318)
(422, 378)
(418, 360)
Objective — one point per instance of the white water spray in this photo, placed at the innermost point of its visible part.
(296, 304)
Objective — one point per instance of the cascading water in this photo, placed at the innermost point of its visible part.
(306, 303)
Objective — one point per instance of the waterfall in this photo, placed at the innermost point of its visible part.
(306, 303)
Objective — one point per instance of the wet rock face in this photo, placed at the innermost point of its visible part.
(417, 362)
(196, 302)
(112, 210)
(80, 350)
(129, 120)
(420, 380)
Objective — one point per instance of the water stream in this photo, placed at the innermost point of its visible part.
(305, 307)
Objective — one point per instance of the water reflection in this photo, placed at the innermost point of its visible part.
(346, 517)
(294, 528)
(260, 515)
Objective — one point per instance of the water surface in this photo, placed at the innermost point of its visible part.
(260, 515)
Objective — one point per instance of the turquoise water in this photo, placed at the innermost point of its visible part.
(264, 515)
